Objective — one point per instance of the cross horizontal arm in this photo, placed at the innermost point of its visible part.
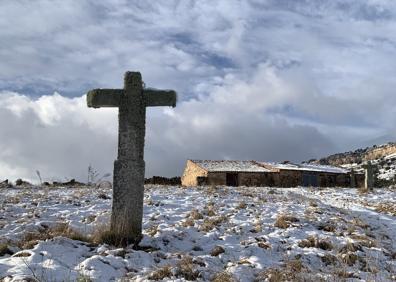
(98, 98)
(156, 97)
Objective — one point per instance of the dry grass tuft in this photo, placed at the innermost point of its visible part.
(327, 226)
(152, 230)
(349, 258)
(349, 247)
(195, 214)
(314, 242)
(161, 273)
(329, 259)
(188, 222)
(273, 275)
(223, 277)
(22, 254)
(4, 250)
(106, 236)
(242, 206)
(388, 208)
(364, 240)
(32, 238)
(210, 223)
(284, 221)
(185, 268)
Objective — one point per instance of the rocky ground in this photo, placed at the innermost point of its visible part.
(207, 234)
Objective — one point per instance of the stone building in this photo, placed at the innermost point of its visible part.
(253, 173)
(230, 173)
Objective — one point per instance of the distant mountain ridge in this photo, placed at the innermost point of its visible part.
(359, 156)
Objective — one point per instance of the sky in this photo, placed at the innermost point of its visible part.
(267, 80)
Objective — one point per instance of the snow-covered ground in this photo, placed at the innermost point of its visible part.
(210, 233)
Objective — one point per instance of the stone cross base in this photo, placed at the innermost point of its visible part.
(127, 212)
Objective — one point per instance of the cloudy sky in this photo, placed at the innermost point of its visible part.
(256, 79)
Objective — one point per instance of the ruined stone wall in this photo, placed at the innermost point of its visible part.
(190, 174)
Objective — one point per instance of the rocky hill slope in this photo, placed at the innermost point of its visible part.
(361, 155)
(383, 158)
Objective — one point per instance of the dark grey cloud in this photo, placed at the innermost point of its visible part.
(270, 80)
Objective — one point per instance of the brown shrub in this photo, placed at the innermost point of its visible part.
(327, 226)
(273, 275)
(223, 277)
(349, 258)
(349, 247)
(388, 208)
(242, 205)
(161, 273)
(264, 245)
(329, 259)
(210, 223)
(152, 230)
(195, 214)
(314, 242)
(30, 239)
(188, 222)
(284, 221)
(186, 269)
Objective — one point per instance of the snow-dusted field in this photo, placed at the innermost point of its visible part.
(211, 233)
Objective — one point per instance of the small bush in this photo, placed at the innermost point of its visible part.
(185, 268)
(195, 214)
(313, 242)
(224, 277)
(210, 223)
(284, 221)
(188, 222)
(161, 273)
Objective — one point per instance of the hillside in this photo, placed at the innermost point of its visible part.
(383, 157)
(201, 234)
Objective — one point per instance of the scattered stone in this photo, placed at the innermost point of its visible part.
(197, 249)
(217, 250)
(104, 185)
(103, 196)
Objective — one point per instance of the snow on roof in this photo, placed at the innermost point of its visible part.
(306, 167)
(230, 166)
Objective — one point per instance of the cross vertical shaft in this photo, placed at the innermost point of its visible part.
(128, 177)
(129, 168)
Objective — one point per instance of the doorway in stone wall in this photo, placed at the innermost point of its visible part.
(232, 179)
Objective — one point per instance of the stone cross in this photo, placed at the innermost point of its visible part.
(129, 167)
(368, 176)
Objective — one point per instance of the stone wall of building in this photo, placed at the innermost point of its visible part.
(191, 173)
(256, 179)
(216, 178)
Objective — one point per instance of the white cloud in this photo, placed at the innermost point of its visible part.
(256, 79)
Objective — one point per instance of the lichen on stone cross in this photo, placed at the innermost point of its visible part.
(129, 167)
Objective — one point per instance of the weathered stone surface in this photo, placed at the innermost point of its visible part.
(128, 181)
(369, 176)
